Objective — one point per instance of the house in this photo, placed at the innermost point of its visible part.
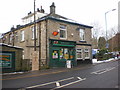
(57, 39)
(114, 43)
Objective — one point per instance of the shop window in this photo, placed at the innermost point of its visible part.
(82, 34)
(63, 32)
(55, 54)
(71, 53)
(79, 54)
(61, 53)
(66, 53)
(86, 53)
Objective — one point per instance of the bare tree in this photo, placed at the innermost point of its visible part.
(113, 31)
(96, 31)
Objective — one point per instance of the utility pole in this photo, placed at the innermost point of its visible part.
(35, 56)
(34, 28)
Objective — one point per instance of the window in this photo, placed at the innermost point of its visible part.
(22, 36)
(32, 29)
(63, 32)
(86, 53)
(79, 54)
(23, 56)
(66, 53)
(16, 37)
(10, 38)
(82, 34)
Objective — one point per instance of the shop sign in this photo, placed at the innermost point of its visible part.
(5, 60)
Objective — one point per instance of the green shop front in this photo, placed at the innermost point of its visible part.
(60, 51)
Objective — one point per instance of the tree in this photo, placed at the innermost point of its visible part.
(112, 32)
(96, 30)
(101, 43)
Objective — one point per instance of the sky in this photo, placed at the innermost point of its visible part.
(83, 11)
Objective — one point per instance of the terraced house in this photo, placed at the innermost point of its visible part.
(57, 39)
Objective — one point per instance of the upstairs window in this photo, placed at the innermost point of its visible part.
(63, 32)
(22, 36)
(10, 38)
(33, 31)
(16, 37)
(82, 34)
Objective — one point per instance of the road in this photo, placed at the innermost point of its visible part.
(104, 75)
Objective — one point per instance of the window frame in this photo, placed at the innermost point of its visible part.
(82, 34)
(78, 50)
(10, 37)
(22, 35)
(63, 28)
(32, 29)
(86, 51)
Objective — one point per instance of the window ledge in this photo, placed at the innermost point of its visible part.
(82, 41)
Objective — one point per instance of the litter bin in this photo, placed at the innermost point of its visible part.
(68, 63)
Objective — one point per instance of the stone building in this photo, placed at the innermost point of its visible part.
(114, 43)
(57, 39)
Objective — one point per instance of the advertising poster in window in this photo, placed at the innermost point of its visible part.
(66, 55)
(5, 60)
(61, 54)
(55, 54)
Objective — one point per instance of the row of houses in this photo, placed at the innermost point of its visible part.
(57, 39)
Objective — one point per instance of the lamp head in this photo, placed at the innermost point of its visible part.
(113, 9)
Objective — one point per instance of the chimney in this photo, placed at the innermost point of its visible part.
(52, 8)
(42, 10)
(38, 10)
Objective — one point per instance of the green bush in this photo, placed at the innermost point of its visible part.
(102, 55)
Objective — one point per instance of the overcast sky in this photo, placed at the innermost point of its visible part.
(83, 11)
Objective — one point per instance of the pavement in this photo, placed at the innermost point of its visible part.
(57, 69)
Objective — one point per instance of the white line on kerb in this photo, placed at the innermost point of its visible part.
(69, 83)
(50, 83)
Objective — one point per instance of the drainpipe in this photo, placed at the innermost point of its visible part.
(39, 45)
(13, 38)
(46, 43)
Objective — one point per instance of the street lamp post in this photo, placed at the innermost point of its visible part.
(106, 26)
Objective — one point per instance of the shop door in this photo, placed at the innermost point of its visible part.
(55, 58)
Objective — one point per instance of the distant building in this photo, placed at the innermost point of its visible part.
(114, 43)
(58, 39)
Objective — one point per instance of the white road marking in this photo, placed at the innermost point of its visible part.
(79, 78)
(69, 84)
(103, 70)
(57, 84)
(50, 83)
